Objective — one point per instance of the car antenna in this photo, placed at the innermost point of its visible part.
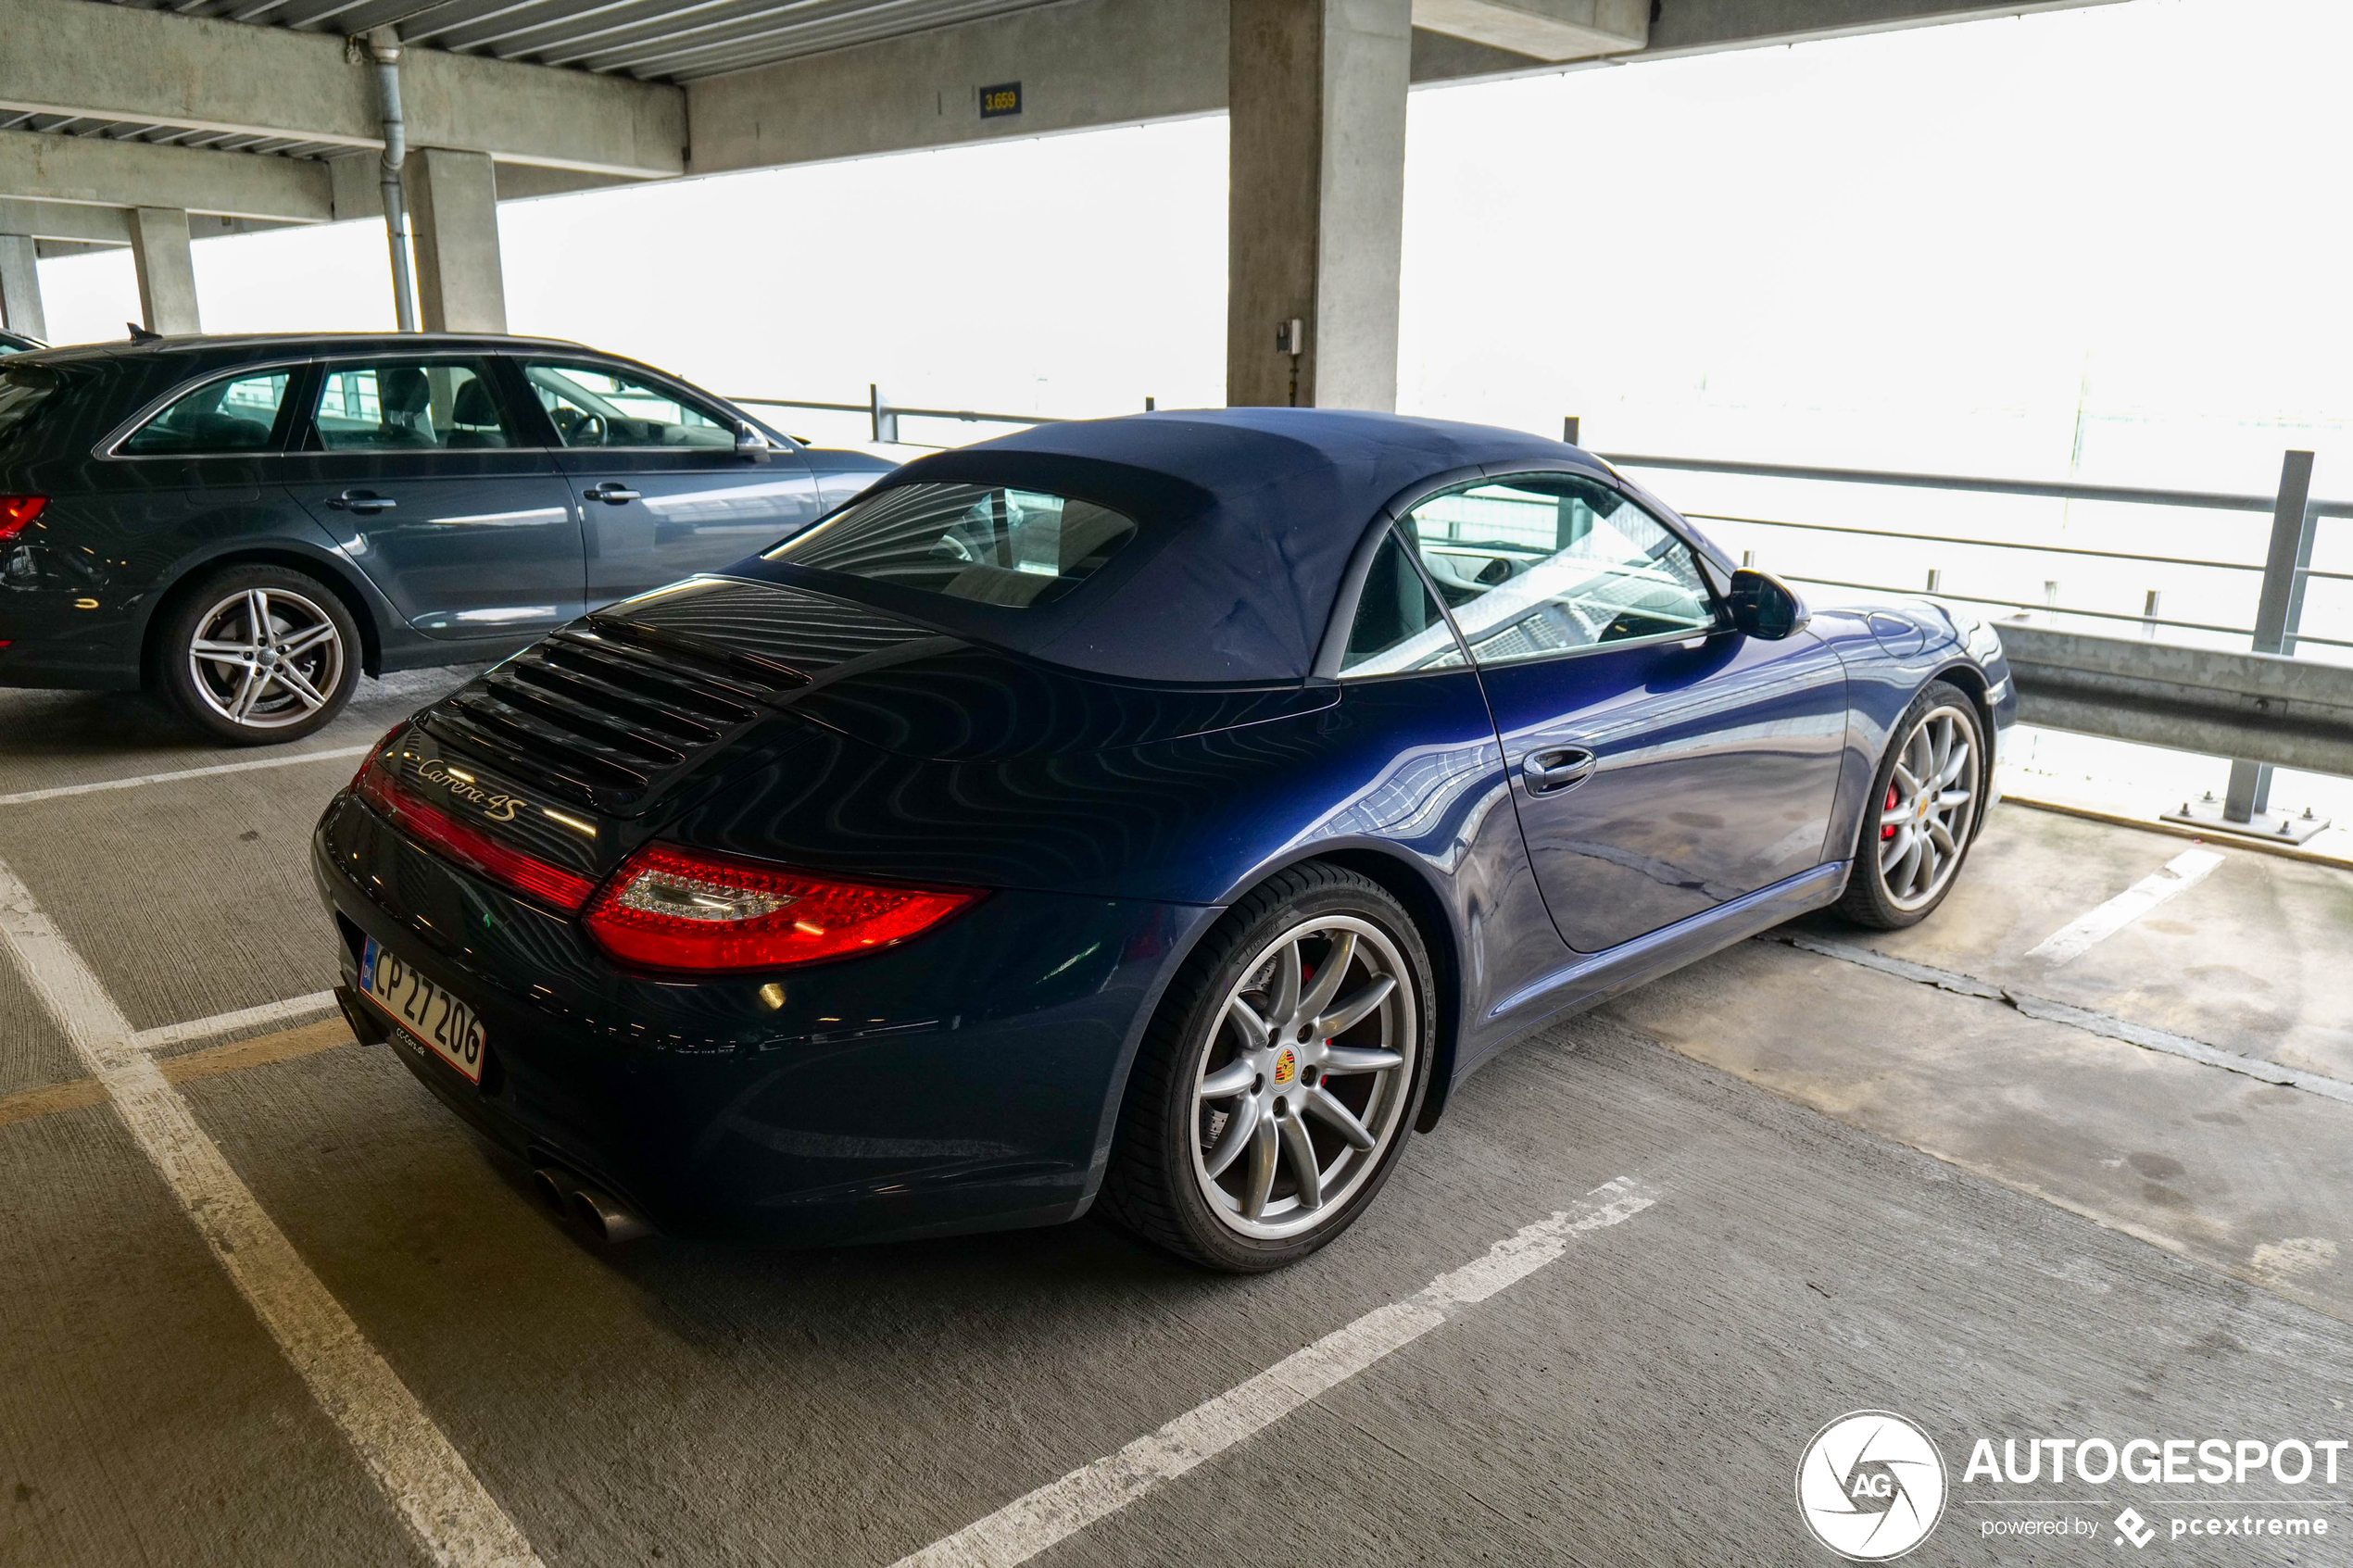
(141, 334)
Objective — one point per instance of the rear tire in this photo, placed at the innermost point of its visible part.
(260, 655)
(1273, 1093)
(1922, 813)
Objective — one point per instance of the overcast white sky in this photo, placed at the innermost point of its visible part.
(2109, 241)
(1915, 250)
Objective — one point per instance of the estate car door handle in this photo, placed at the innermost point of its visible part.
(1549, 772)
(610, 492)
(367, 502)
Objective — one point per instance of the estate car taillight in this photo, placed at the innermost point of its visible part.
(466, 845)
(669, 908)
(16, 512)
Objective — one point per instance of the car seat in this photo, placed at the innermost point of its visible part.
(473, 418)
(404, 395)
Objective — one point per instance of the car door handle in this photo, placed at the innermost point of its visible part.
(611, 493)
(367, 502)
(1549, 772)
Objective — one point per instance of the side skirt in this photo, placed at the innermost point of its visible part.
(1595, 978)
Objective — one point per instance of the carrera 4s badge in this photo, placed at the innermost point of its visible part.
(462, 785)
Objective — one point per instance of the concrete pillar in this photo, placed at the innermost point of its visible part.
(21, 288)
(1318, 199)
(167, 273)
(453, 211)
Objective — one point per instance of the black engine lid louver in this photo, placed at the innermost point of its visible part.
(613, 713)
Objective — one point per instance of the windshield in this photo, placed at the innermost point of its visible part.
(22, 392)
(992, 545)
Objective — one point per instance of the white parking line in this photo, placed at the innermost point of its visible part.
(220, 1023)
(1028, 1525)
(428, 1481)
(26, 798)
(2070, 942)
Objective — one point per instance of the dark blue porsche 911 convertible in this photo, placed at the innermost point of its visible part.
(1163, 813)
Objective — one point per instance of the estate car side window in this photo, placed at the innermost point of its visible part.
(233, 414)
(1543, 565)
(595, 408)
(433, 406)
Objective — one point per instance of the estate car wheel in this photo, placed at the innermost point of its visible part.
(1280, 1076)
(260, 654)
(1925, 801)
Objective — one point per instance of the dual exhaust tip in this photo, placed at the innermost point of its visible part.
(603, 1215)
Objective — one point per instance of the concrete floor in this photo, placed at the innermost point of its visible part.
(1871, 1192)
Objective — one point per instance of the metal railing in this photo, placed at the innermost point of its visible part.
(2259, 720)
(2103, 701)
(2285, 575)
(886, 414)
(884, 417)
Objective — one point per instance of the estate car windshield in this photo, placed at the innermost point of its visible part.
(993, 545)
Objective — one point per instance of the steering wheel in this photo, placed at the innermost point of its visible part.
(588, 429)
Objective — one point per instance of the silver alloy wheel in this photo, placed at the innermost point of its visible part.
(1305, 1085)
(266, 657)
(1930, 808)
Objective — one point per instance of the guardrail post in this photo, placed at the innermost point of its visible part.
(2276, 613)
(886, 417)
(1569, 429)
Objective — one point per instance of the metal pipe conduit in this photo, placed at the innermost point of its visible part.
(383, 46)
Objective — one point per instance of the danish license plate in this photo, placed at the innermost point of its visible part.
(438, 1021)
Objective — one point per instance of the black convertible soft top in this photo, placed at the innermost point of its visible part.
(1247, 517)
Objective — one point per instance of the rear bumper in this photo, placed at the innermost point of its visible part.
(2002, 694)
(968, 1081)
(65, 637)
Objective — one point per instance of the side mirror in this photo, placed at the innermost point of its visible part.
(1764, 606)
(750, 445)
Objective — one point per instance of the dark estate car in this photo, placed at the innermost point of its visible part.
(1165, 812)
(247, 523)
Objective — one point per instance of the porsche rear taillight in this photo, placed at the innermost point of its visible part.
(675, 908)
(468, 846)
(16, 513)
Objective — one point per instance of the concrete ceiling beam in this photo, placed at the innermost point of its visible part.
(1543, 30)
(1706, 27)
(97, 172)
(1087, 64)
(66, 221)
(115, 63)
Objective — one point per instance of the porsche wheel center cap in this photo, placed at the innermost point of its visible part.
(1286, 1067)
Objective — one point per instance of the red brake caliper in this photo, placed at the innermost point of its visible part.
(1889, 832)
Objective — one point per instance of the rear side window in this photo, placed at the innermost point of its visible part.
(1398, 627)
(408, 407)
(990, 545)
(233, 414)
